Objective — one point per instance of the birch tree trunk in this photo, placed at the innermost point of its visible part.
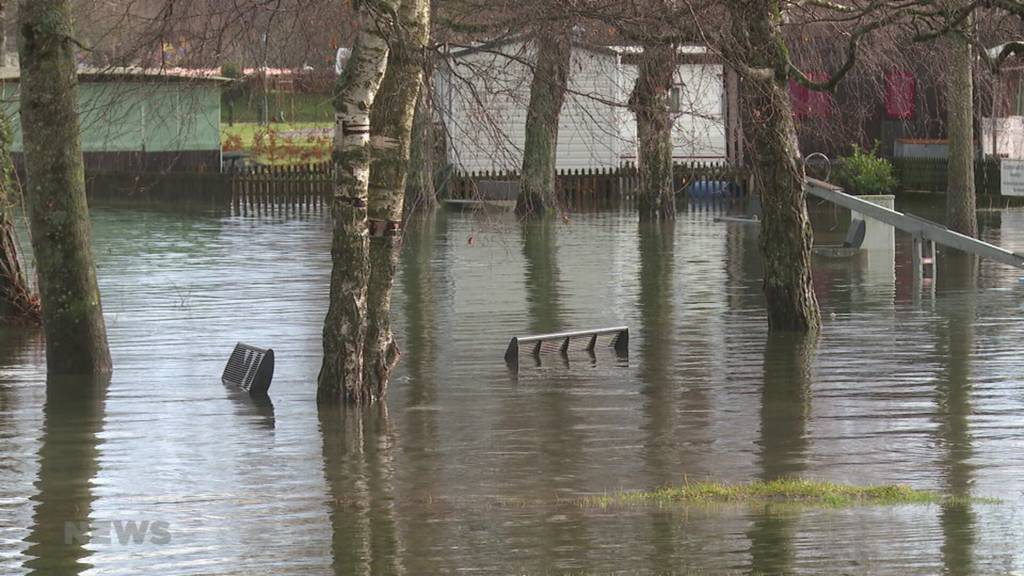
(758, 49)
(960, 194)
(341, 375)
(17, 303)
(76, 337)
(420, 193)
(651, 102)
(391, 129)
(547, 94)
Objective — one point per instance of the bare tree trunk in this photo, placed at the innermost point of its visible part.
(341, 375)
(547, 94)
(76, 337)
(3, 32)
(16, 299)
(758, 49)
(960, 194)
(391, 128)
(420, 193)
(651, 102)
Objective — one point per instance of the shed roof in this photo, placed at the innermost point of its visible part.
(131, 73)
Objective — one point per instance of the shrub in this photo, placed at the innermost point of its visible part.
(863, 172)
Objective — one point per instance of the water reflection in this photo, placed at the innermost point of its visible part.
(421, 429)
(656, 253)
(955, 346)
(561, 539)
(541, 275)
(785, 409)
(358, 452)
(72, 421)
(785, 404)
(257, 409)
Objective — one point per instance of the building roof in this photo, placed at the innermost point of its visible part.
(132, 73)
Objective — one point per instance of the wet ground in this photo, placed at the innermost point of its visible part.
(474, 469)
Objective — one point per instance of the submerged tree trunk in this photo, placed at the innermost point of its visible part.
(76, 337)
(651, 102)
(757, 49)
(17, 303)
(960, 193)
(547, 94)
(420, 193)
(391, 128)
(341, 375)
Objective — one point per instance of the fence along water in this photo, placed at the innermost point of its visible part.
(309, 186)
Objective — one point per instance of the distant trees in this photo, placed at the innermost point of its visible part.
(76, 338)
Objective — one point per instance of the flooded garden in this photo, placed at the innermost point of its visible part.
(470, 467)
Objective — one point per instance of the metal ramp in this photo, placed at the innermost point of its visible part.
(926, 233)
(564, 342)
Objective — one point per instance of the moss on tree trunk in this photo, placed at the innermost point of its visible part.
(420, 193)
(341, 375)
(76, 338)
(547, 94)
(960, 193)
(757, 48)
(391, 129)
(651, 103)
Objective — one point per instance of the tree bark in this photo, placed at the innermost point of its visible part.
(341, 375)
(757, 48)
(391, 129)
(547, 94)
(17, 302)
(420, 193)
(960, 193)
(651, 103)
(76, 337)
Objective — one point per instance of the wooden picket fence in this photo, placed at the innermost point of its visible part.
(310, 185)
(294, 186)
(601, 187)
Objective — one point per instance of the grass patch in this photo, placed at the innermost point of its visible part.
(783, 491)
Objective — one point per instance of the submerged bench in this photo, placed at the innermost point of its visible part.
(618, 338)
(250, 368)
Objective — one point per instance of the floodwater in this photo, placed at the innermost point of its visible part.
(473, 469)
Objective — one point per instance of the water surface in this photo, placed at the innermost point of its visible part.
(473, 469)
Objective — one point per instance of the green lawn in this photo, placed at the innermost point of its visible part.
(280, 143)
(292, 107)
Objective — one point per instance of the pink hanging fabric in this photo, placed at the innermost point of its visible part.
(900, 94)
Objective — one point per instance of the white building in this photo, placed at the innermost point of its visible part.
(485, 93)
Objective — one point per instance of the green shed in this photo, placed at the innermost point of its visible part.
(139, 120)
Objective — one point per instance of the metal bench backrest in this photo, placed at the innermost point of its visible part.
(618, 338)
(250, 368)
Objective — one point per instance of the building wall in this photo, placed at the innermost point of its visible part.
(699, 129)
(156, 125)
(486, 96)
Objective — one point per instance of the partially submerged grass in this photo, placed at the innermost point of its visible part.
(783, 491)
